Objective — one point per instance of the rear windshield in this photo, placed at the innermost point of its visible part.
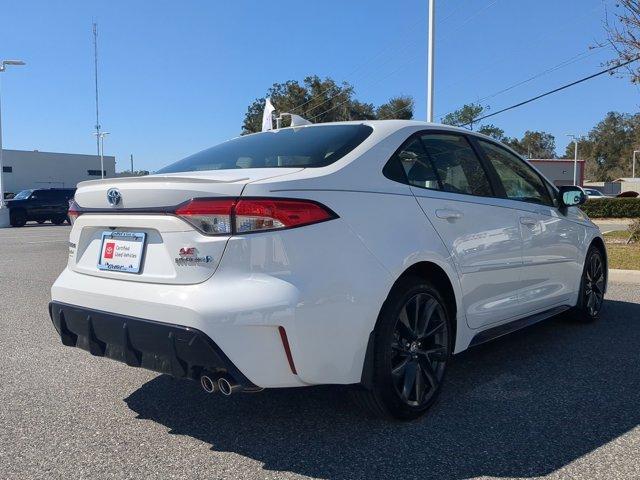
(287, 148)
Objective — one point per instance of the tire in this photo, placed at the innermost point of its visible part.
(17, 218)
(592, 284)
(410, 356)
(59, 220)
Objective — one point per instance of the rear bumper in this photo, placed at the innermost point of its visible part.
(182, 352)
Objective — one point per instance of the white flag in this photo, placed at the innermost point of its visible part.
(267, 122)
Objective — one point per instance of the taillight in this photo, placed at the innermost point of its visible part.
(74, 211)
(253, 215)
(210, 216)
(248, 215)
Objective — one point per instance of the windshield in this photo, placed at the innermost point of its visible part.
(303, 147)
(23, 195)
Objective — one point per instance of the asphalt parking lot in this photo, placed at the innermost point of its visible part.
(558, 400)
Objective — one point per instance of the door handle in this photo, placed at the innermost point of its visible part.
(528, 221)
(448, 214)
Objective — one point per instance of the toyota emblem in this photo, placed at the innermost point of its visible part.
(114, 197)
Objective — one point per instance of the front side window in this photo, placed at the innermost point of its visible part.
(519, 180)
(458, 168)
(306, 147)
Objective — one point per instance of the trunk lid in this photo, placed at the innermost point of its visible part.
(172, 189)
(174, 252)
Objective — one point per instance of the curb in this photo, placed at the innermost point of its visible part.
(624, 276)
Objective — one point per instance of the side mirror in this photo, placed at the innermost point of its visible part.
(571, 196)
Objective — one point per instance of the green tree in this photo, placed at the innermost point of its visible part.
(492, 131)
(623, 34)
(465, 116)
(323, 100)
(609, 146)
(396, 108)
(534, 144)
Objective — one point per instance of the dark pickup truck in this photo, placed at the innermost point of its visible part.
(40, 205)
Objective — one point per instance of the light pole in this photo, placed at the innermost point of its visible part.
(575, 139)
(4, 212)
(430, 59)
(633, 169)
(100, 136)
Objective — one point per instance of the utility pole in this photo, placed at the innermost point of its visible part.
(575, 139)
(633, 168)
(100, 137)
(131, 158)
(430, 59)
(95, 71)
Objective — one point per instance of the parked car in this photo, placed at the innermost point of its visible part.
(40, 205)
(360, 253)
(628, 194)
(594, 194)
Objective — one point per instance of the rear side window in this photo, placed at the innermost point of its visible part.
(519, 180)
(417, 166)
(439, 162)
(42, 195)
(305, 147)
(458, 168)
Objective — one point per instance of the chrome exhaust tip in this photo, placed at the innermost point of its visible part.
(227, 386)
(208, 384)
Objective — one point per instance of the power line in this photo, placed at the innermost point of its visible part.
(555, 90)
(451, 14)
(473, 15)
(379, 54)
(535, 39)
(564, 63)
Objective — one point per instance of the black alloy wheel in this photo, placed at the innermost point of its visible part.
(594, 281)
(420, 349)
(412, 344)
(592, 287)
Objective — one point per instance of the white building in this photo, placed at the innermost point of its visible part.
(33, 169)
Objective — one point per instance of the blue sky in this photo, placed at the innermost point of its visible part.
(177, 77)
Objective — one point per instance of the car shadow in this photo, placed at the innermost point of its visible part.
(524, 405)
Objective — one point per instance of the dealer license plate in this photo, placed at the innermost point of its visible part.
(122, 251)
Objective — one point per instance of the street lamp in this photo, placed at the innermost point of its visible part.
(633, 169)
(575, 139)
(101, 136)
(4, 212)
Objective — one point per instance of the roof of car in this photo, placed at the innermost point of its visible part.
(393, 125)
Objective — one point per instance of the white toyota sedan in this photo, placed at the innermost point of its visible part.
(358, 253)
